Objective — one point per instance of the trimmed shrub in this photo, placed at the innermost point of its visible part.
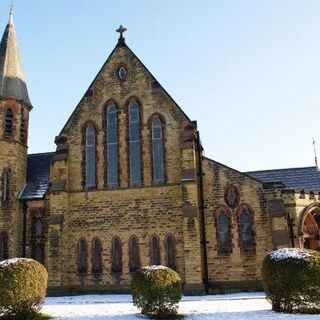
(291, 280)
(23, 286)
(156, 290)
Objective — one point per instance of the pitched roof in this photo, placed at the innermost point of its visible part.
(38, 176)
(306, 178)
(12, 82)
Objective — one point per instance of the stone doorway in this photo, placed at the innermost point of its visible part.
(311, 231)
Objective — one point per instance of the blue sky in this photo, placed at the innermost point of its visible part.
(247, 71)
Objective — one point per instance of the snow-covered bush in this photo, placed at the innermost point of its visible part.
(23, 286)
(156, 290)
(291, 280)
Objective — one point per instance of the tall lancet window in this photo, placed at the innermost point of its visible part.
(82, 251)
(246, 230)
(171, 252)
(223, 231)
(96, 262)
(134, 259)
(38, 238)
(5, 187)
(134, 141)
(116, 255)
(8, 123)
(112, 146)
(154, 250)
(90, 157)
(157, 151)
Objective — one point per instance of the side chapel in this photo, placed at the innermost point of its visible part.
(128, 186)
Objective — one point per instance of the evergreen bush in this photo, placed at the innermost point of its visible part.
(156, 290)
(23, 285)
(291, 280)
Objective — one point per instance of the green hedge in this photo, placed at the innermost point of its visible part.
(156, 290)
(291, 280)
(23, 286)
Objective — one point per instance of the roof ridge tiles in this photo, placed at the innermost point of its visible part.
(282, 169)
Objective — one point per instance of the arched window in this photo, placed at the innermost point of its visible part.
(246, 230)
(82, 256)
(90, 157)
(116, 255)
(96, 256)
(112, 146)
(134, 259)
(171, 252)
(8, 123)
(37, 238)
(223, 231)
(5, 187)
(155, 251)
(23, 128)
(134, 144)
(157, 151)
(3, 246)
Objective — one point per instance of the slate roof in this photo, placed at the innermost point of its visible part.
(38, 176)
(12, 82)
(306, 178)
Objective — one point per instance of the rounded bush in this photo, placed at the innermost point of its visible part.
(23, 286)
(291, 280)
(156, 290)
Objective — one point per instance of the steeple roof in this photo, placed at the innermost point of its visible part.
(12, 82)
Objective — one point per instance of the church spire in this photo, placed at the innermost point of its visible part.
(12, 82)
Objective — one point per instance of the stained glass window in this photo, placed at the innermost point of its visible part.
(82, 256)
(134, 140)
(112, 146)
(96, 256)
(116, 255)
(232, 196)
(247, 243)
(90, 157)
(171, 252)
(155, 251)
(157, 151)
(122, 72)
(38, 238)
(134, 254)
(223, 226)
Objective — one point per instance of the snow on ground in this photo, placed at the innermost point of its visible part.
(242, 306)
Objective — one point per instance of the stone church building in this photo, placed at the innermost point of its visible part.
(128, 186)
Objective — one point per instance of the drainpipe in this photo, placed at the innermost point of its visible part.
(24, 228)
(202, 213)
(291, 225)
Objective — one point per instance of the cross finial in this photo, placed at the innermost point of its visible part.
(121, 30)
(315, 153)
(11, 12)
(11, 7)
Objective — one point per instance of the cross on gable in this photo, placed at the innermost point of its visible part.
(121, 30)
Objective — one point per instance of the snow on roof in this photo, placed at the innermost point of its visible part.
(289, 253)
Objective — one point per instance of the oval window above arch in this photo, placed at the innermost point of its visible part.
(122, 73)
